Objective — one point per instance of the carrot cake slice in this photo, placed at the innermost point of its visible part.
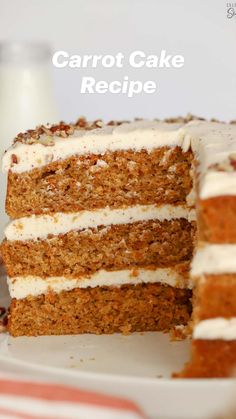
(105, 223)
(102, 228)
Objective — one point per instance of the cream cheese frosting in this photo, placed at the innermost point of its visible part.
(23, 286)
(212, 143)
(216, 328)
(40, 226)
(218, 184)
(214, 259)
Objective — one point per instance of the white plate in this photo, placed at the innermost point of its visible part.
(138, 367)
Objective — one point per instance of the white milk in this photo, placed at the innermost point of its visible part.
(26, 97)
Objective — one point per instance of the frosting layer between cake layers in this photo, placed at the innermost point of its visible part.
(216, 328)
(23, 286)
(214, 259)
(40, 226)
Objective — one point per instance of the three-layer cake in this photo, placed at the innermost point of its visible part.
(103, 232)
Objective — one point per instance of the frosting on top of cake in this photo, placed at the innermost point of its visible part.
(135, 135)
(214, 146)
(213, 143)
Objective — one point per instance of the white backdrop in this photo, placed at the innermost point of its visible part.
(199, 30)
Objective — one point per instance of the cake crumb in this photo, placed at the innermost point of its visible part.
(180, 332)
(126, 330)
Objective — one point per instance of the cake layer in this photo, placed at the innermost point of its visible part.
(217, 219)
(130, 308)
(214, 259)
(214, 328)
(38, 227)
(23, 286)
(79, 253)
(47, 158)
(122, 178)
(215, 297)
(211, 359)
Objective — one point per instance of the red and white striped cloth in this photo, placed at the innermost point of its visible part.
(25, 399)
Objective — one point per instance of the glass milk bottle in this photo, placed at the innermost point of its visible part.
(26, 96)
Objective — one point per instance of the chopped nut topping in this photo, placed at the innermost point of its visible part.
(228, 165)
(116, 123)
(184, 119)
(46, 130)
(181, 332)
(99, 123)
(44, 134)
(81, 122)
(232, 159)
(47, 141)
(14, 159)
